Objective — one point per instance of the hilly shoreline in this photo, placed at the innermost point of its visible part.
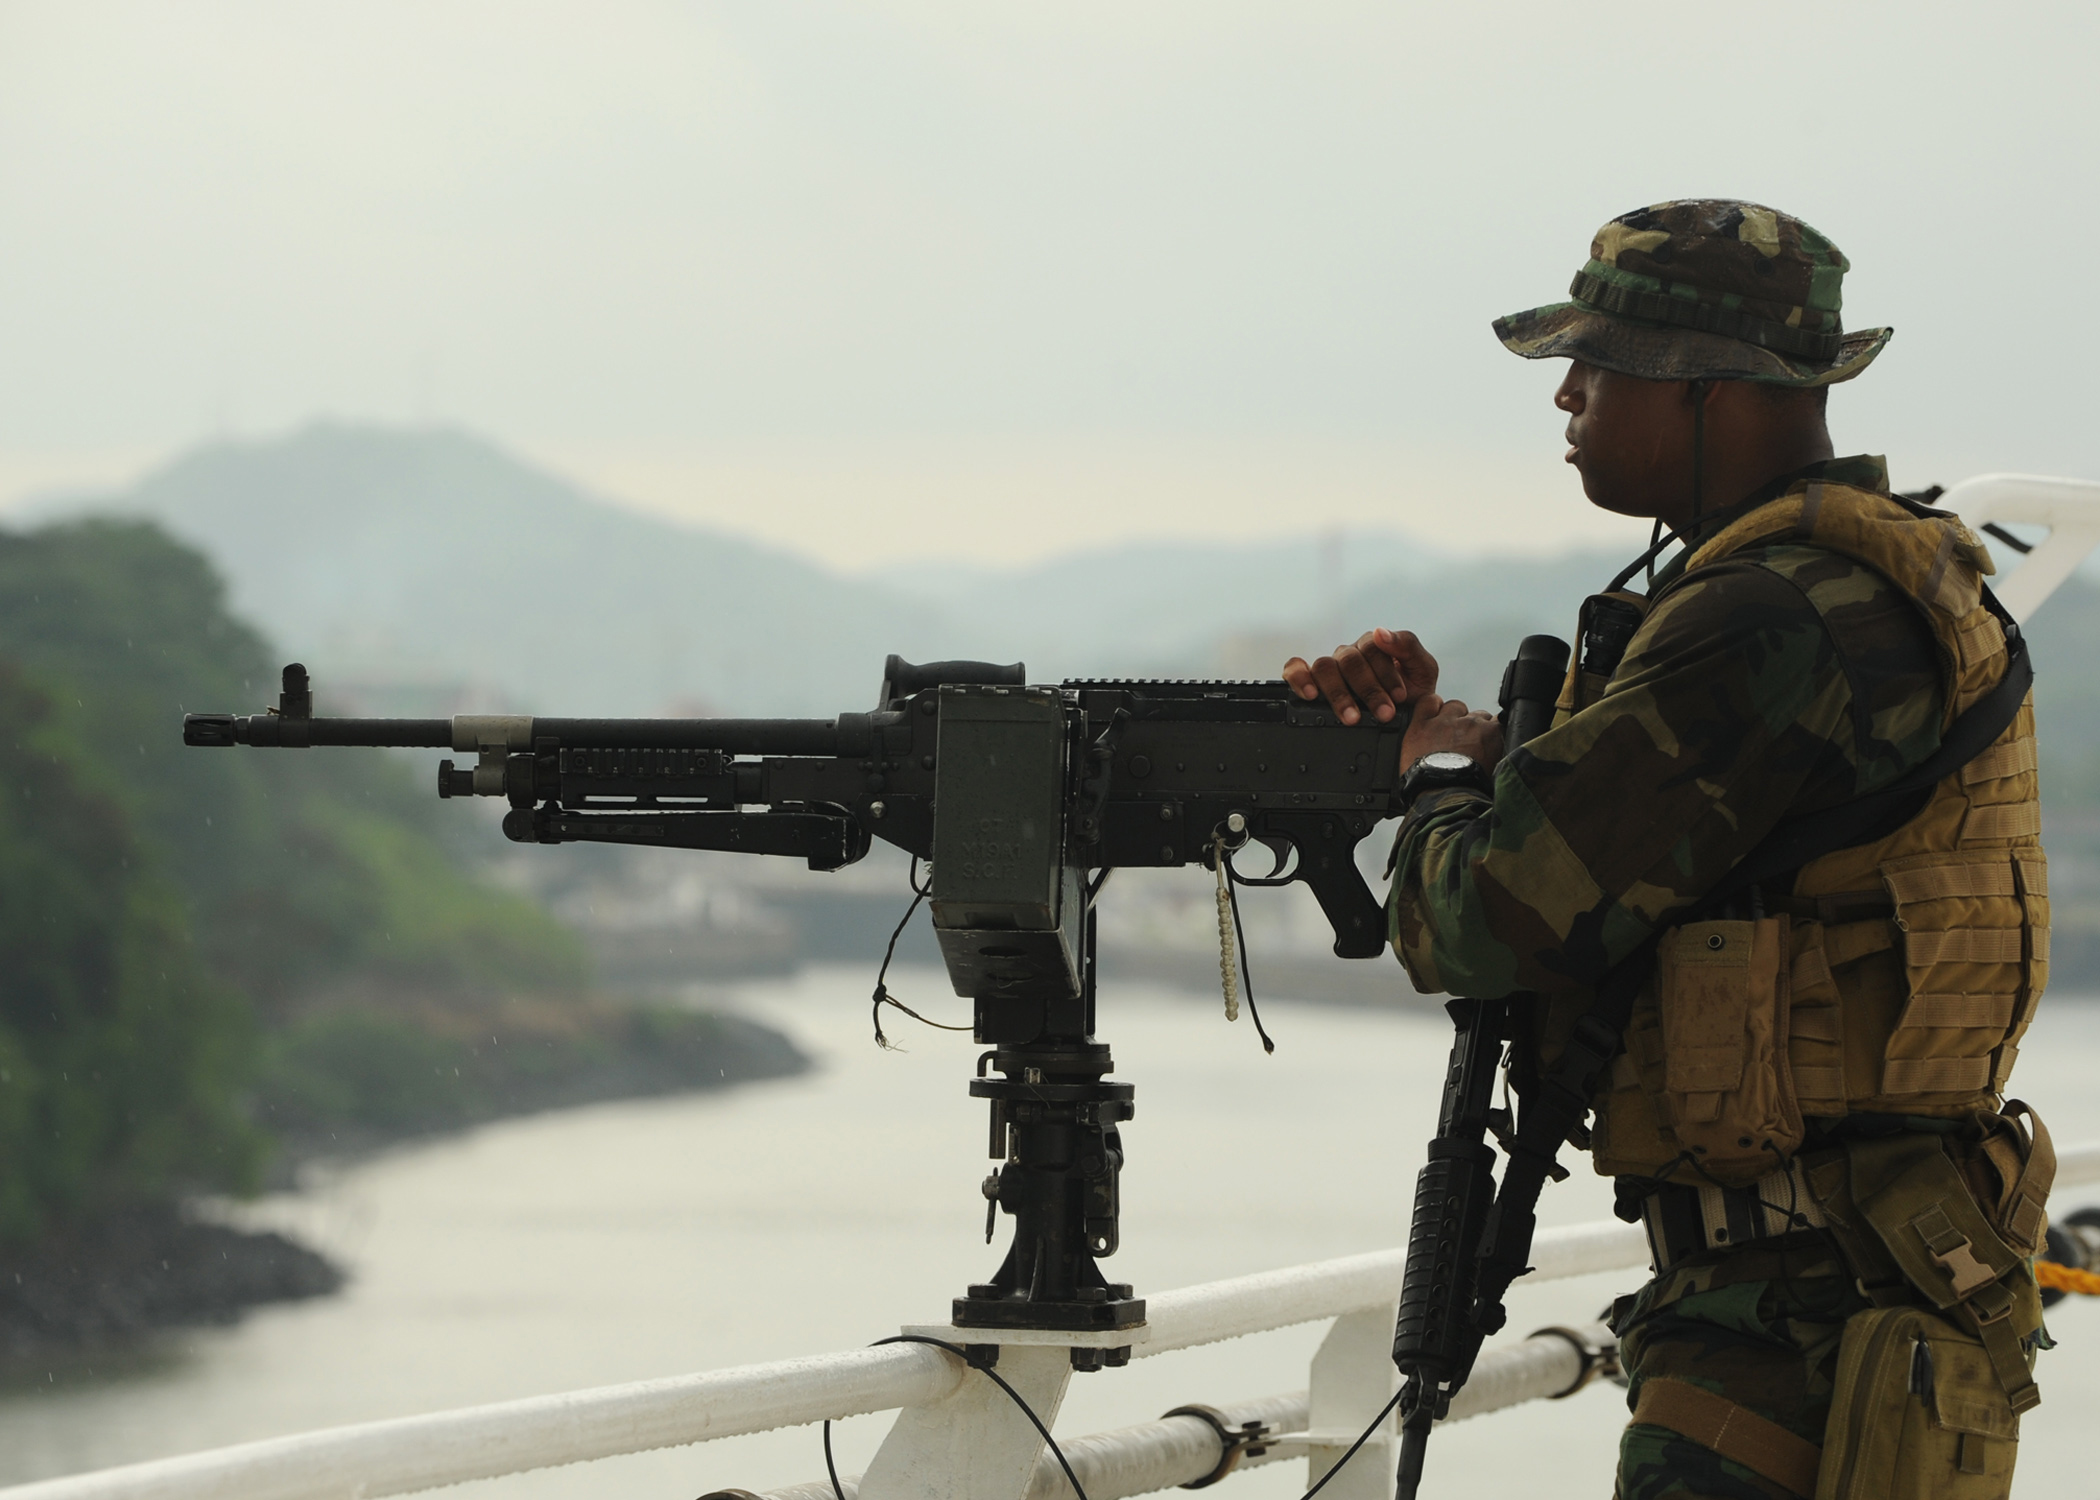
(220, 964)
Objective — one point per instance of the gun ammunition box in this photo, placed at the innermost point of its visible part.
(1006, 909)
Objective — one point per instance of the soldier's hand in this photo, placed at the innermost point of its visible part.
(1439, 724)
(1384, 672)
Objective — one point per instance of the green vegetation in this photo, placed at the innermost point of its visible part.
(120, 1058)
(293, 866)
(192, 943)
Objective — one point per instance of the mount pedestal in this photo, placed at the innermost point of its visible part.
(1054, 1130)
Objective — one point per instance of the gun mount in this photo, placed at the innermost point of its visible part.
(1023, 798)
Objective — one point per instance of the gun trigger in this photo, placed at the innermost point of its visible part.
(1279, 851)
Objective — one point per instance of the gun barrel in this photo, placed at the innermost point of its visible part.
(848, 734)
(273, 729)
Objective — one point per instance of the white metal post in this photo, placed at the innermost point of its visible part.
(1353, 1375)
(2070, 508)
(973, 1444)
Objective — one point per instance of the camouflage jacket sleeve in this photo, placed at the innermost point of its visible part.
(1778, 682)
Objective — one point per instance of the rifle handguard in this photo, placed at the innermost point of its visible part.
(1434, 1337)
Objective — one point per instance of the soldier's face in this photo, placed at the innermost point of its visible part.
(1630, 439)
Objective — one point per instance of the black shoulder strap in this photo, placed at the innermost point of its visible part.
(1796, 841)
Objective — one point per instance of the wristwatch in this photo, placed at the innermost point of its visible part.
(1440, 769)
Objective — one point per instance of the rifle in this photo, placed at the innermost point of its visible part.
(1452, 1286)
(1024, 798)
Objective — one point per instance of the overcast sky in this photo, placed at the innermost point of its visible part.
(999, 280)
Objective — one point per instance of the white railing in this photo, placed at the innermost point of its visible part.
(2070, 508)
(956, 1435)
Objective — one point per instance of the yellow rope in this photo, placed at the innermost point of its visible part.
(2058, 1278)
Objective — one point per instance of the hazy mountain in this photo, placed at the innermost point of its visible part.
(431, 558)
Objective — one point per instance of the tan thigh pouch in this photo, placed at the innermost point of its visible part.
(1918, 1411)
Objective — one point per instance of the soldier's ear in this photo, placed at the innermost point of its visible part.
(1732, 401)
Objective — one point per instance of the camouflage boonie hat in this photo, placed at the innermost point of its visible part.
(1704, 289)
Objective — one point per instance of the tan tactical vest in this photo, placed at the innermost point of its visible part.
(1900, 975)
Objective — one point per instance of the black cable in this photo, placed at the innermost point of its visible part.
(1701, 526)
(1992, 528)
(882, 991)
(1793, 1212)
(829, 1467)
(1239, 931)
(1362, 1438)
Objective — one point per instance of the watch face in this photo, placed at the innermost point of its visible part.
(1445, 760)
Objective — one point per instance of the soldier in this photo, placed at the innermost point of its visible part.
(1807, 1110)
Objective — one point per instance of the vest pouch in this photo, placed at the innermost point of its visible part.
(1728, 1090)
(1917, 1412)
(1966, 949)
(1626, 1137)
(2021, 1169)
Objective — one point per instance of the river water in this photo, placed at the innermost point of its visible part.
(634, 1240)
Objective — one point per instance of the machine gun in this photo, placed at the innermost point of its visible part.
(1024, 798)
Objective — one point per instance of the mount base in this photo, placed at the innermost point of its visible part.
(1117, 1311)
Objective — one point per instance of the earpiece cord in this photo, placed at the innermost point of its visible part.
(1661, 538)
(1699, 388)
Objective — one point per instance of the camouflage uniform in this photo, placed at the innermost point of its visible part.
(1706, 289)
(1787, 680)
(1759, 1323)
